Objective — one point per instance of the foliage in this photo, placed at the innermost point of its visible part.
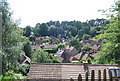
(27, 31)
(52, 50)
(43, 30)
(85, 37)
(86, 48)
(69, 29)
(81, 61)
(11, 76)
(61, 45)
(40, 56)
(75, 43)
(11, 40)
(89, 60)
(13, 43)
(27, 49)
(111, 40)
(32, 38)
(56, 61)
(46, 41)
(24, 69)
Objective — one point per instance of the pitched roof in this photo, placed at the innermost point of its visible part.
(70, 50)
(50, 46)
(95, 47)
(63, 70)
(35, 47)
(85, 56)
(41, 38)
(77, 57)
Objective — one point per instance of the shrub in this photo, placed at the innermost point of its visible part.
(46, 40)
(56, 61)
(61, 45)
(24, 69)
(81, 61)
(52, 50)
(89, 60)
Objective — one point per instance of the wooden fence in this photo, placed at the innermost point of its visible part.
(92, 77)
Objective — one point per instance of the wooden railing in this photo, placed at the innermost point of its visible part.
(92, 77)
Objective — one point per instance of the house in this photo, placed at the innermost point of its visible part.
(81, 56)
(77, 57)
(55, 39)
(36, 47)
(49, 46)
(38, 40)
(64, 71)
(91, 42)
(95, 48)
(69, 51)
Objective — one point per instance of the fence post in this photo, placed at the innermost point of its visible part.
(92, 75)
(104, 75)
(71, 79)
(110, 75)
(99, 75)
(79, 77)
(115, 73)
(86, 76)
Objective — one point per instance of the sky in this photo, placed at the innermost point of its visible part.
(31, 12)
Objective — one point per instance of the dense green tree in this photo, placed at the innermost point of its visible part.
(80, 34)
(67, 34)
(110, 52)
(73, 30)
(27, 49)
(40, 56)
(75, 43)
(55, 31)
(61, 45)
(85, 37)
(43, 30)
(11, 41)
(35, 30)
(46, 41)
(32, 38)
(27, 31)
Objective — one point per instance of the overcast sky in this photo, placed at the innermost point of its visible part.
(38, 11)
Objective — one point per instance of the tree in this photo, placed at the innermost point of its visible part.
(61, 45)
(35, 30)
(55, 31)
(110, 52)
(27, 49)
(73, 30)
(86, 37)
(67, 34)
(75, 43)
(12, 41)
(41, 56)
(28, 31)
(80, 34)
(32, 38)
(43, 30)
(46, 41)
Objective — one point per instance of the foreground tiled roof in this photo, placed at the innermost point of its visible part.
(63, 70)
